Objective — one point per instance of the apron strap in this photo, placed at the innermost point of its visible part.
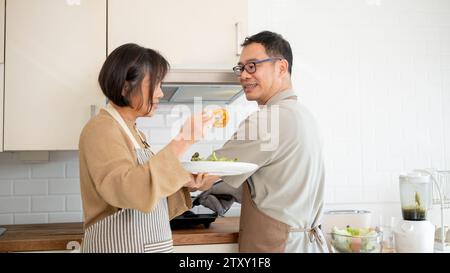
(313, 233)
(113, 112)
(146, 145)
(291, 98)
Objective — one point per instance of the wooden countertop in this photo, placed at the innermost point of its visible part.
(48, 237)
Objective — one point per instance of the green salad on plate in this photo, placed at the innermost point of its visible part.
(213, 157)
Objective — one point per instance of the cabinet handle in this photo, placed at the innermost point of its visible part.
(237, 28)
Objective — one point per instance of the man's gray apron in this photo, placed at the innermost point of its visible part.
(275, 236)
(130, 230)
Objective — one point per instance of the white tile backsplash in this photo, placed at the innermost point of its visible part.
(73, 203)
(7, 219)
(348, 195)
(14, 204)
(30, 218)
(48, 203)
(370, 194)
(13, 171)
(376, 74)
(65, 217)
(6, 187)
(73, 170)
(30, 187)
(48, 170)
(158, 120)
(159, 135)
(64, 186)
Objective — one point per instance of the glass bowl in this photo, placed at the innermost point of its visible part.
(372, 243)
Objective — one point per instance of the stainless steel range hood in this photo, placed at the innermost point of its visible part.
(213, 86)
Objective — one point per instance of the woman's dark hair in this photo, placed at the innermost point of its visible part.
(275, 45)
(124, 70)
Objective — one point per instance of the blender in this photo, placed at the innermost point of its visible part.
(415, 233)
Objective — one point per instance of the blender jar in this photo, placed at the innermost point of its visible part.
(415, 195)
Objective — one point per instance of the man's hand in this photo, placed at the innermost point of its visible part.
(201, 182)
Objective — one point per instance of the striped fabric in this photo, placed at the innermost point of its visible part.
(130, 230)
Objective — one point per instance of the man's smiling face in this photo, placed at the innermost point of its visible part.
(262, 84)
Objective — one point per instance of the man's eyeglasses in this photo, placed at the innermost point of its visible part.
(250, 67)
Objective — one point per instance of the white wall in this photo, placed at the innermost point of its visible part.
(376, 74)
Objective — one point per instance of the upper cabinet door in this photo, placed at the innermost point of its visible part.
(2, 32)
(2, 59)
(54, 52)
(2, 67)
(189, 33)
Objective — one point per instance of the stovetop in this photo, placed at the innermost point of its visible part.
(190, 219)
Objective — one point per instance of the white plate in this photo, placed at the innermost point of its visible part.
(219, 167)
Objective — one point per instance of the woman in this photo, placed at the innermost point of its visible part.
(129, 194)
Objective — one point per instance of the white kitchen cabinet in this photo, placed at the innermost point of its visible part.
(189, 33)
(2, 67)
(2, 32)
(54, 52)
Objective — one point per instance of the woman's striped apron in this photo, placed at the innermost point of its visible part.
(130, 230)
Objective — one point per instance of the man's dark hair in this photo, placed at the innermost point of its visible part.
(275, 45)
(126, 67)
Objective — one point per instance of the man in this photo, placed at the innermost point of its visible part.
(282, 200)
